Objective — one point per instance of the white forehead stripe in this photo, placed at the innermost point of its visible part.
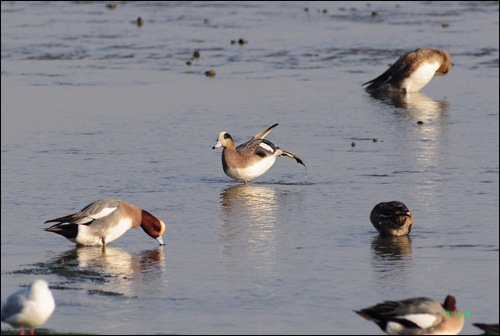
(103, 213)
(266, 147)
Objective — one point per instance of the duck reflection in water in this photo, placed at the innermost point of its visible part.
(391, 260)
(420, 125)
(116, 270)
(418, 106)
(249, 230)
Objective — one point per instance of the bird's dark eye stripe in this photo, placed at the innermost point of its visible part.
(227, 136)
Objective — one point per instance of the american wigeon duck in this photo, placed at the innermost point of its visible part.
(29, 307)
(252, 158)
(105, 220)
(392, 218)
(416, 316)
(412, 71)
(489, 329)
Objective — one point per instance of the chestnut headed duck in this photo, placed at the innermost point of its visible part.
(416, 316)
(29, 307)
(252, 158)
(105, 220)
(392, 218)
(412, 71)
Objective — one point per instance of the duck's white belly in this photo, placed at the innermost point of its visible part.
(89, 235)
(249, 173)
(420, 77)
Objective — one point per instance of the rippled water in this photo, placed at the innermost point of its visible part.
(95, 106)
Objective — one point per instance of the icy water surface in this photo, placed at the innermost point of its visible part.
(95, 106)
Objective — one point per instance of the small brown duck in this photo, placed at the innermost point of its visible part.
(412, 71)
(392, 218)
(252, 158)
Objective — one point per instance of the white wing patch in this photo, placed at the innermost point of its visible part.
(266, 147)
(424, 321)
(103, 213)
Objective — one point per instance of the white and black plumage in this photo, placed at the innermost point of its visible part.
(416, 316)
(252, 158)
(105, 220)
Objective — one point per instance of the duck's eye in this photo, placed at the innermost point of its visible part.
(227, 136)
(156, 228)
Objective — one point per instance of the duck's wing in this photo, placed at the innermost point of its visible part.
(91, 212)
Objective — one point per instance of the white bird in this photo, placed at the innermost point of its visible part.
(29, 307)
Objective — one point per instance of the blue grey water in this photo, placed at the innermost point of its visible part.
(94, 106)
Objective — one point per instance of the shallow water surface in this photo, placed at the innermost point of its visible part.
(95, 106)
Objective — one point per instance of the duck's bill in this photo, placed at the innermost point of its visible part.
(217, 145)
(160, 240)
